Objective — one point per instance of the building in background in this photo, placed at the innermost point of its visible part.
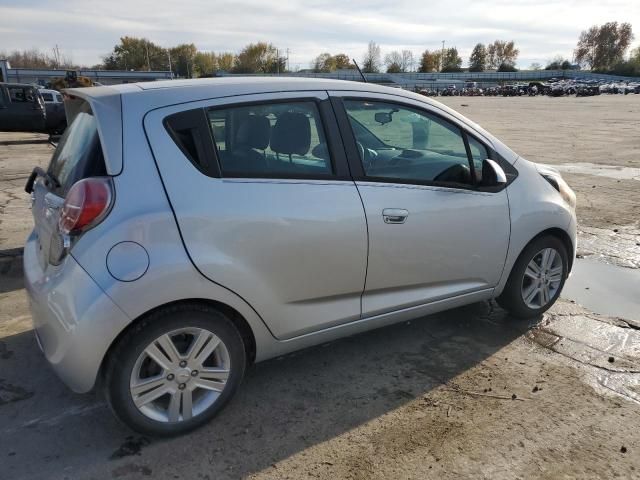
(44, 77)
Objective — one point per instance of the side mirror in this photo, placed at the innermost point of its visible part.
(492, 174)
(383, 117)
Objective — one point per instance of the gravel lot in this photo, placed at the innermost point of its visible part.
(469, 393)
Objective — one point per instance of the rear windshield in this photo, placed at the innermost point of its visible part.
(79, 153)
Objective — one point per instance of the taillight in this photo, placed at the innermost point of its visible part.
(86, 204)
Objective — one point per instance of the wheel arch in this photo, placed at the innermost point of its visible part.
(561, 235)
(555, 232)
(247, 334)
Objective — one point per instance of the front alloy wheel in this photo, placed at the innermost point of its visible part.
(537, 278)
(542, 278)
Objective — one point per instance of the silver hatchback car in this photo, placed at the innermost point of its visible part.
(186, 229)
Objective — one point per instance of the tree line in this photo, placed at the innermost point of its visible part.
(499, 55)
(185, 60)
(601, 48)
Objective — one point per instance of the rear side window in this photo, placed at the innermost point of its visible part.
(79, 153)
(284, 140)
(47, 97)
(21, 94)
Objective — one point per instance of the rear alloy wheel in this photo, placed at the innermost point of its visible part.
(173, 371)
(536, 279)
(180, 375)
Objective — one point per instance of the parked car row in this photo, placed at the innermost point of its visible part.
(553, 88)
(27, 108)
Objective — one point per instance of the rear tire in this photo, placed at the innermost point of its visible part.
(536, 279)
(191, 382)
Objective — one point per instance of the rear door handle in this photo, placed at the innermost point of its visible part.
(395, 215)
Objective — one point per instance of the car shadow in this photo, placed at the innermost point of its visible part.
(284, 406)
(11, 274)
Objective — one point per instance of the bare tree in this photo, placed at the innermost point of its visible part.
(503, 54)
(407, 61)
(372, 60)
(35, 58)
(226, 61)
(602, 47)
(323, 63)
(393, 61)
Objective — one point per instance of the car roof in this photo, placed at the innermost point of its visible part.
(48, 90)
(195, 89)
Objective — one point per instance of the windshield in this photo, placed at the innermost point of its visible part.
(79, 153)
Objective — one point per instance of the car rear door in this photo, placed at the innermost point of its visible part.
(5, 116)
(433, 235)
(261, 193)
(25, 109)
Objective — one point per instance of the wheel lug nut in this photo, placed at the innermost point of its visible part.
(183, 364)
(194, 373)
(182, 386)
(170, 377)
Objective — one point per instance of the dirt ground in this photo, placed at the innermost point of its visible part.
(591, 132)
(470, 393)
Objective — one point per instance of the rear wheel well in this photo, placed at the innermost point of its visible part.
(238, 320)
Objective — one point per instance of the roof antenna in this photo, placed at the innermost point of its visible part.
(359, 71)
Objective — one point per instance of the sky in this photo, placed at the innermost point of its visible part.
(86, 30)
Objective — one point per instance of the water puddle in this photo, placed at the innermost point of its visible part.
(605, 289)
(605, 350)
(619, 246)
(609, 171)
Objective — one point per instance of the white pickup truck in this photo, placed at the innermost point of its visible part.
(56, 117)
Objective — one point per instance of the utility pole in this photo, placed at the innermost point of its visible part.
(56, 55)
(278, 61)
(288, 67)
(170, 69)
(442, 57)
(146, 47)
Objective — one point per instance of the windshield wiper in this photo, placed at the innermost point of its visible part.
(39, 172)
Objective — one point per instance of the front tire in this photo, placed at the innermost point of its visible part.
(536, 279)
(175, 369)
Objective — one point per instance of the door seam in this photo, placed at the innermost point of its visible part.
(364, 210)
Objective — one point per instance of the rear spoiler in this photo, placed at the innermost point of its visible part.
(106, 105)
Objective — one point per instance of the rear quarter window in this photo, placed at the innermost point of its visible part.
(79, 154)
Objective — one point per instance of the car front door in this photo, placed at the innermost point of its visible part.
(265, 205)
(434, 232)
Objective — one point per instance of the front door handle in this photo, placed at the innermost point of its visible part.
(395, 215)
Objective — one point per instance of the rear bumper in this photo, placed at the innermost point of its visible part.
(74, 320)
